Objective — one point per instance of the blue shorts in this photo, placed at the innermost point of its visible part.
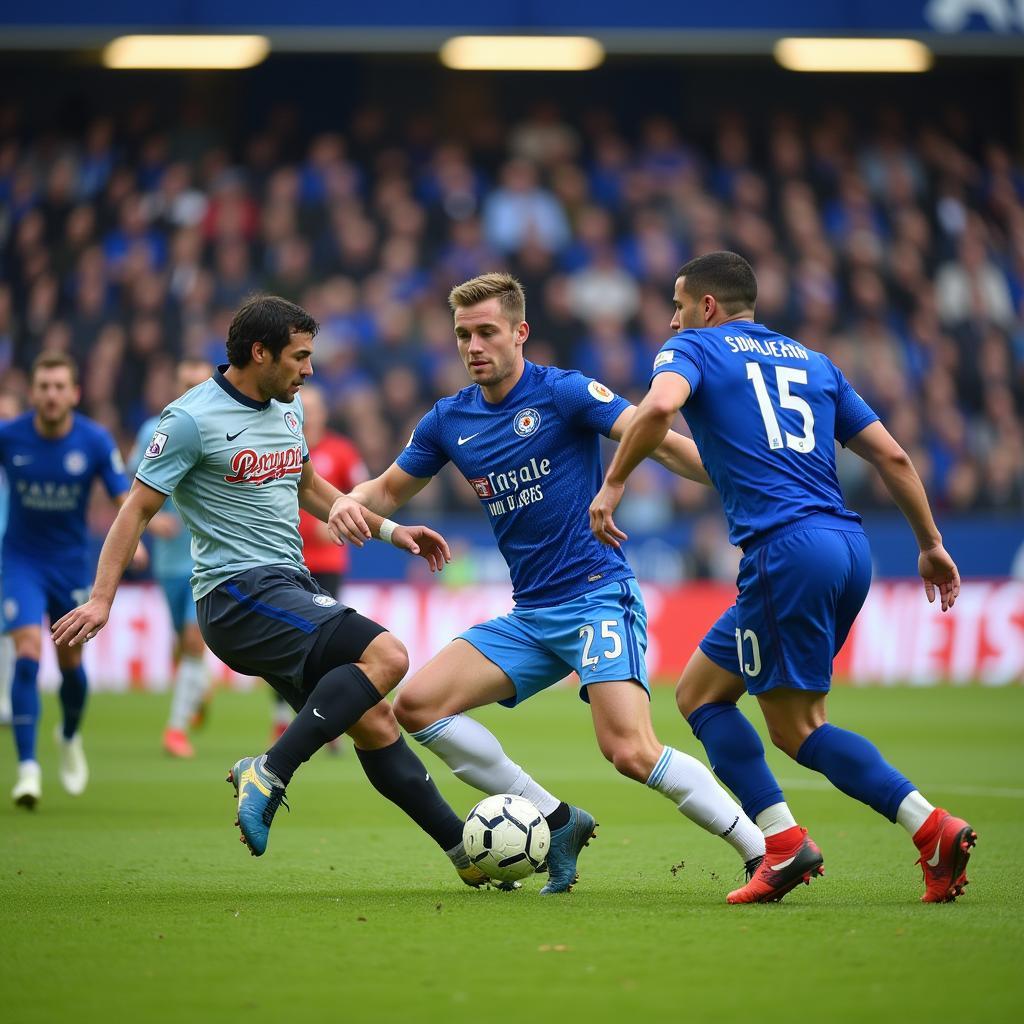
(180, 603)
(799, 592)
(601, 635)
(33, 588)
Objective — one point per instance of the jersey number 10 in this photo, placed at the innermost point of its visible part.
(784, 377)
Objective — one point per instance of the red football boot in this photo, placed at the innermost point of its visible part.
(945, 845)
(176, 743)
(791, 857)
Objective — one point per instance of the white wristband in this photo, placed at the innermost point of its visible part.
(387, 528)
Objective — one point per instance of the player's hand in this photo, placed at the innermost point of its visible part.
(939, 573)
(140, 560)
(422, 541)
(602, 511)
(346, 522)
(81, 623)
(164, 525)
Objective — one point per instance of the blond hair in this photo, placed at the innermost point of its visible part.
(503, 287)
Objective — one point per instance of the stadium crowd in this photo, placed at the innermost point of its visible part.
(898, 251)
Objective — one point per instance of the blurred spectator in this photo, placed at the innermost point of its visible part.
(898, 251)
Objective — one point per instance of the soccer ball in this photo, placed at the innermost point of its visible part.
(506, 837)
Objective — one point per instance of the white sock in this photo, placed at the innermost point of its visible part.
(196, 677)
(913, 812)
(693, 789)
(181, 699)
(775, 819)
(476, 757)
(6, 677)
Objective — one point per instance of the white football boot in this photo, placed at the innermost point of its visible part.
(74, 769)
(29, 787)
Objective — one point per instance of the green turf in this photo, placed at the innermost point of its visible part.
(137, 900)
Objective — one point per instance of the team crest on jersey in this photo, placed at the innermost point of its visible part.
(526, 422)
(291, 421)
(482, 486)
(156, 446)
(599, 391)
(75, 463)
(324, 600)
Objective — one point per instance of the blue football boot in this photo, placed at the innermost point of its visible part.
(566, 845)
(259, 795)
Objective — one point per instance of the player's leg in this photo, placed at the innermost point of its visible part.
(430, 708)
(707, 695)
(74, 769)
(6, 675)
(625, 734)
(466, 675)
(24, 604)
(25, 710)
(189, 673)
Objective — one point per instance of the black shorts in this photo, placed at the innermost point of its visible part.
(271, 620)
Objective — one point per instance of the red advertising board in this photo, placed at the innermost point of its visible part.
(898, 637)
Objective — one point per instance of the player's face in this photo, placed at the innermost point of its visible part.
(281, 378)
(490, 346)
(53, 394)
(689, 311)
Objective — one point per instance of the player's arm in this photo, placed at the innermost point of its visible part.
(85, 621)
(644, 433)
(876, 445)
(348, 520)
(676, 453)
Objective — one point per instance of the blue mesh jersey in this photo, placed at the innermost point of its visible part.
(534, 460)
(50, 480)
(765, 414)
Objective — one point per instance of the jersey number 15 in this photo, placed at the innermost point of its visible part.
(784, 377)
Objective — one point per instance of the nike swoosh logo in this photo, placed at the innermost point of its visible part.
(427, 777)
(463, 440)
(782, 864)
(934, 862)
(318, 715)
(231, 437)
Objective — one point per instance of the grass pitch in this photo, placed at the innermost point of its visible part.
(137, 900)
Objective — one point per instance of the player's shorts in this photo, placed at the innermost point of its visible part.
(269, 620)
(180, 602)
(34, 587)
(799, 591)
(601, 635)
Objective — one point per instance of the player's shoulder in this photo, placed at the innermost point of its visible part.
(463, 399)
(19, 426)
(84, 429)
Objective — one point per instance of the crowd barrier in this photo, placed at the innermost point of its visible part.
(898, 637)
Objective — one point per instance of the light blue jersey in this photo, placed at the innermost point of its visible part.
(231, 465)
(172, 556)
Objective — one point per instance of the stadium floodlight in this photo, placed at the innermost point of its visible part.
(856, 55)
(214, 53)
(522, 53)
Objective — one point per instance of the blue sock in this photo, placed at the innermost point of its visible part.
(73, 689)
(736, 754)
(25, 706)
(854, 765)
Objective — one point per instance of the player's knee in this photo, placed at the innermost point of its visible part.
(192, 642)
(687, 697)
(630, 757)
(785, 737)
(414, 710)
(376, 729)
(386, 661)
(27, 644)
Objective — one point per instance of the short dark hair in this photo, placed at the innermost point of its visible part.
(725, 275)
(270, 320)
(51, 360)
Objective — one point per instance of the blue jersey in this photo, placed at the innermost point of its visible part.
(50, 480)
(765, 412)
(534, 460)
